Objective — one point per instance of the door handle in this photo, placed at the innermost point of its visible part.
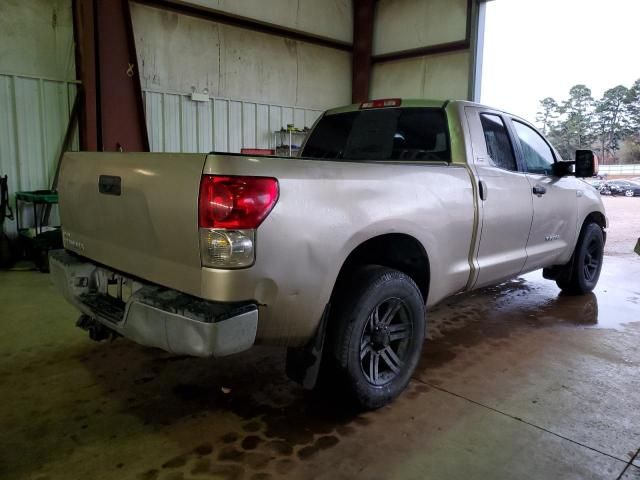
(539, 190)
(482, 190)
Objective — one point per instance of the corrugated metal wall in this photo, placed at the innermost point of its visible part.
(34, 113)
(178, 124)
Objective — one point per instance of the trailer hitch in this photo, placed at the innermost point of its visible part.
(97, 331)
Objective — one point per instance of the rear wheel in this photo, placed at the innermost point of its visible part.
(376, 334)
(585, 266)
(628, 193)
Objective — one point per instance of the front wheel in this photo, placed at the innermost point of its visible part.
(586, 262)
(628, 193)
(376, 334)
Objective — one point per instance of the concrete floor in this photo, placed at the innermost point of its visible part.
(516, 381)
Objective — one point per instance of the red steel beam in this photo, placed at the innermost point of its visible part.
(244, 22)
(449, 47)
(455, 46)
(84, 36)
(363, 17)
(122, 123)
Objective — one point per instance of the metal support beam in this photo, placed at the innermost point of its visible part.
(122, 122)
(449, 47)
(112, 113)
(363, 18)
(246, 23)
(84, 37)
(456, 46)
(477, 46)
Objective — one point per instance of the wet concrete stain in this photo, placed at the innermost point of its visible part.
(274, 440)
(251, 442)
(492, 316)
(277, 425)
(175, 462)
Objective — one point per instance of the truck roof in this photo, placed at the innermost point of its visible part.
(425, 103)
(405, 102)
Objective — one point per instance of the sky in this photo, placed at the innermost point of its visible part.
(540, 48)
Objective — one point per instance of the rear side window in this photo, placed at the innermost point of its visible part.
(407, 134)
(536, 153)
(498, 144)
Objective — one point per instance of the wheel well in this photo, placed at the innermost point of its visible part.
(554, 271)
(596, 217)
(394, 250)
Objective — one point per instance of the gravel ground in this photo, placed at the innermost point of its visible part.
(624, 225)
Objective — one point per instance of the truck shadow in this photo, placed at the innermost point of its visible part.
(241, 414)
(254, 418)
(275, 424)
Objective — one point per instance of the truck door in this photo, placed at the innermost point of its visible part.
(505, 203)
(555, 202)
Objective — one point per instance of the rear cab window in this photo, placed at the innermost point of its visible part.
(498, 143)
(382, 134)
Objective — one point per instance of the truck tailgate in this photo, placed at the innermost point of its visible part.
(135, 212)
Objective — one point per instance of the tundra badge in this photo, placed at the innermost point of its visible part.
(72, 244)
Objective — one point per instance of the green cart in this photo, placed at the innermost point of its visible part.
(39, 237)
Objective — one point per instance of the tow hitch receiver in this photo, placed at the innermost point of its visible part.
(97, 331)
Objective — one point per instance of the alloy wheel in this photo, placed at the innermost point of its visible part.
(384, 344)
(592, 260)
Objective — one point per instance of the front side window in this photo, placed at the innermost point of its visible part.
(537, 154)
(402, 134)
(498, 143)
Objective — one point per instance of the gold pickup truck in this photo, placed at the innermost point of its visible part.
(392, 206)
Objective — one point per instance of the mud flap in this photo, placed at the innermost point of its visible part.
(303, 363)
(558, 272)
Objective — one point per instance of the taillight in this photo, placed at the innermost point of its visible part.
(382, 103)
(229, 211)
(235, 202)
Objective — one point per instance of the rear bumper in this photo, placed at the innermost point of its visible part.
(152, 315)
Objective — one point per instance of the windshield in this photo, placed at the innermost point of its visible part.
(381, 134)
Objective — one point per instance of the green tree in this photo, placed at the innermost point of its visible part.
(548, 114)
(633, 106)
(611, 119)
(610, 125)
(633, 116)
(578, 117)
(560, 136)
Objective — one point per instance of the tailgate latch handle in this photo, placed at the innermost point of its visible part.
(110, 185)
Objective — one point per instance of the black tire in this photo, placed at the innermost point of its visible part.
(375, 336)
(586, 263)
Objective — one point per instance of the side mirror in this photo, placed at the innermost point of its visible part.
(586, 164)
(562, 169)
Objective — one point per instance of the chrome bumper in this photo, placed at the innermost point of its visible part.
(153, 315)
